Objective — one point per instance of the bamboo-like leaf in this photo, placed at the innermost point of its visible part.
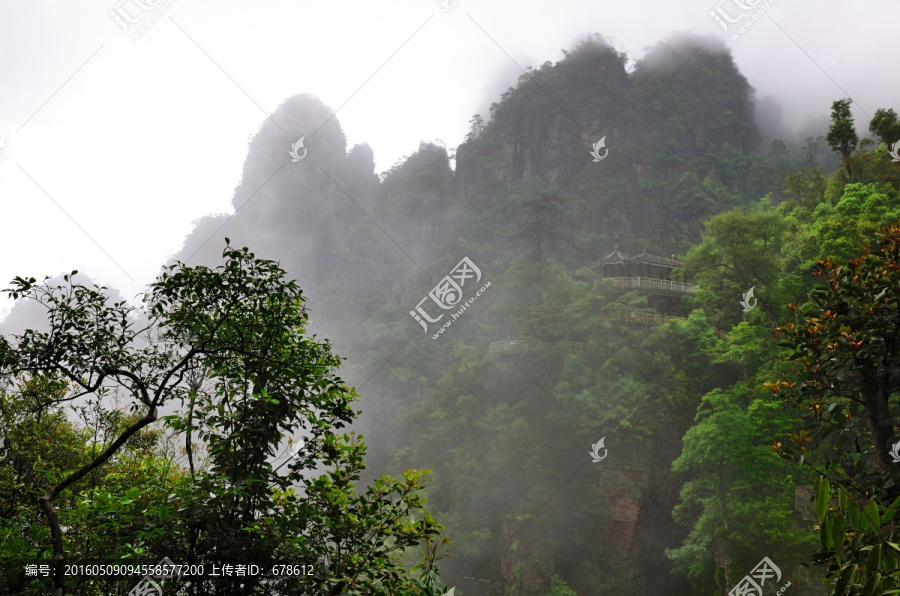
(870, 513)
(888, 561)
(873, 561)
(891, 511)
(843, 582)
(825, 533)
(843, 498)
(863, 521)
(823, 498)
(853, 513)
(872, 586)
(838, 533)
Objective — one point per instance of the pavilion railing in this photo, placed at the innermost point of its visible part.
(647, 283)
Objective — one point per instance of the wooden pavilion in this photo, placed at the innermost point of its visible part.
(646, 273)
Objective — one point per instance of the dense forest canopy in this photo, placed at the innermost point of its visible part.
(743, 396)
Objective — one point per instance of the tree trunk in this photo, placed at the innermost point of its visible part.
(875, 396)
(46, 502)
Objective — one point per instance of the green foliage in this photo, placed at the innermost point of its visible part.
(229, 343)
(542, 229)
(506, 434)
(813, 154)
(861, 210)
(805, 188)
(739, 249)
(841, 135)
(109, 514)
(886, 126)
(780, 157)
(858, 541)
(558, 588)
(845, 338)
(845, 343)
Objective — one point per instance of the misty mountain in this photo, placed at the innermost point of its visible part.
(506, 435)
(682, 141)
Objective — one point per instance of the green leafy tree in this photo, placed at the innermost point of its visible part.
(849, 344)
(862, 210)
(780, 157)
(811, 151)
(841, 135)
(846, 339)
(739, 499)
(109, 514)
(858, 536)
(805, 188)
(886, 126)
(476, 126)
(229, 345)
(543, 228)
(740, 249)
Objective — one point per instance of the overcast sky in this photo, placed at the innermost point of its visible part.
(114, 145)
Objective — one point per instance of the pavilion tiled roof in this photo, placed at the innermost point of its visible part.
(616, 257)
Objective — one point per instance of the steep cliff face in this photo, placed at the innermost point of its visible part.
(285, 208)
(533, 129)
(299, 211)
(527, 558)
(282, 203)
(654, 123)
(639, 490)
(636, 493)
